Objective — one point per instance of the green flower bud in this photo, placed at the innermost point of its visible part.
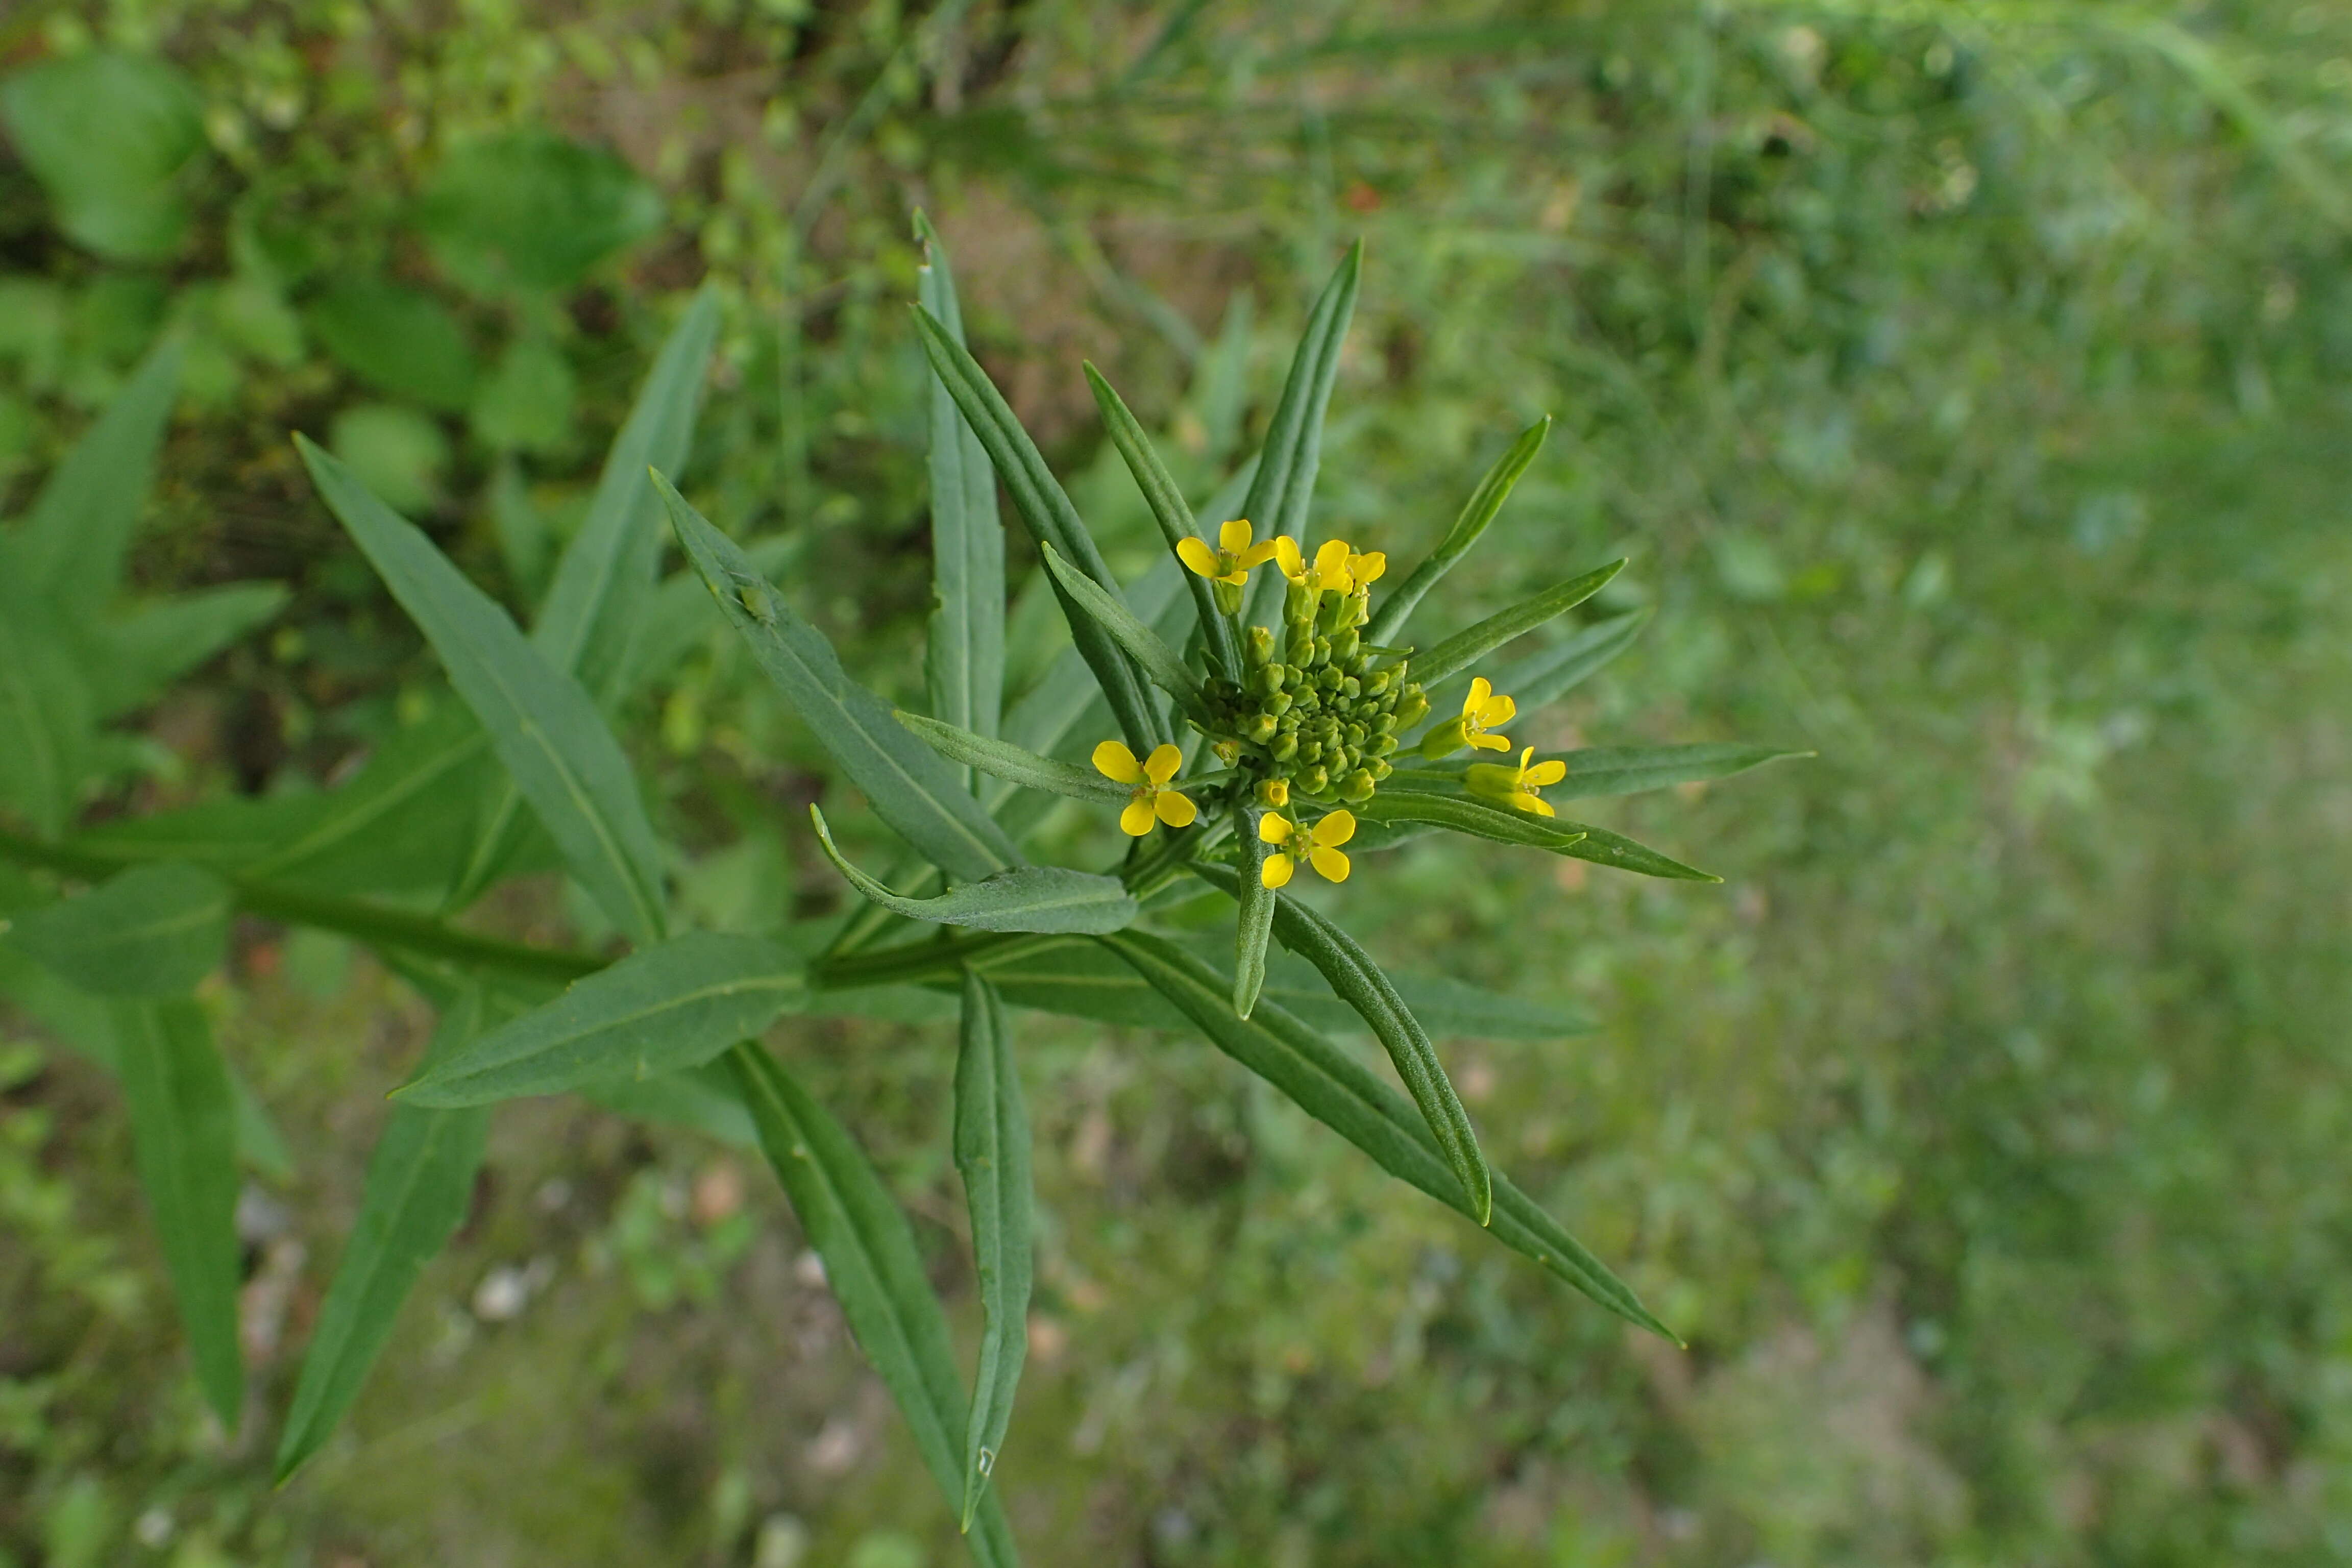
(1312, 781)
(1343, 644)
(1260, 648)
(1412, 707)
(1351, 688)
(1260, 728)
(1285, 747)
(1299, 646)
(1379, 769)
(1357, 786)
(1278, 704)
(1379, 745)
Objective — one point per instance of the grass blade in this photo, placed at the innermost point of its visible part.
(1048, 899)
(659, 1010)
(1046, 510)
(1460, 650)
(1157, 659)
(1284, 485)
(72, 547)
(1003, 759)
(908, 785)
(1166, 500)
(588, 626)
(1477, 514)
(420, 1180)
(1360, 982)
(152, 931)
(183, 1143)
(875, 1274)
(964, 659)
(540, 719)
(992, 1155)
(1336, 1089)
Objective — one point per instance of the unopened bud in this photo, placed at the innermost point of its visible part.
(1312, 781)
(1357, 786)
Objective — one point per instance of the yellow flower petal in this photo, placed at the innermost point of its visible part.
(1330, 863)
(1275, 872)
(1176, 810)
(1137, 817)
(1533, 803)
(1544, 774)
(1258, 556)
(1331, 564)
(1480, 689)
(1234, 536)
(1336, 830)
(1162, 764)
(1196, 554)
(1491, 742)
(1366, 569)
(1497, 711)
(1274, 827)
(1235, 577)
(1286, 555)
(1116, 763)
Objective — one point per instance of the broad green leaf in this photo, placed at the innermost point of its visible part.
(1333, 1088)
(656, 1011)
(1003, 759)
(875, 1274)
(1360, 982)
(1153, 656)
(1254, 926)
(46, 719)
(150, 932)
(1484, 819)
(963, 658)
(525, 404)
(183, 1145)
(70, 550)
(992, 1155)
(161, 639)
(1597, 771)
(1477, 514)
(1050, 899)
(908, 785)
(1166, 500)
(1050, 518)
(528, 211)
(399, 340)
(108, 135)
(1284, 484)
(419, 1183)
(1460, 650)
(544, 726)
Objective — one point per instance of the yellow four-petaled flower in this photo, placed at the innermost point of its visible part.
(1321, 846)
(1481, 711)
(1152, 800)
(1327, 570)
(1233, 559)
(1516, 786)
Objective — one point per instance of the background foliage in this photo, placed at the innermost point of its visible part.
(1965, 384)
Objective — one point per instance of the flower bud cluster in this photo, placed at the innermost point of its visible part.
(1311, 714)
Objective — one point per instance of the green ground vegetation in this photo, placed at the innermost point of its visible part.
(1967, 386)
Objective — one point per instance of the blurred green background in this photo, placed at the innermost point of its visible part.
(1968, 384)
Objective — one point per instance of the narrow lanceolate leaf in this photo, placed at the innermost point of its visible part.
(875, 1274)
(541, 723)
(1484, 819)
(964, 661)
(183, 1143)
(1161, 493)
(659, 1010)
(1336, 1090)
(1046, 510)
(150, 931)
(1360, 982)
(1049, 712)
(992, 1155)
(419, 1182)
(588, 624)
(45, 716)
(1016, 765)
(1256, 926)
(1477, 514)
(910, 786)
(1154, 656)
(1050, 899)
(1284, 484)
(1462, 648)
(72, 545)
(1598, 771)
